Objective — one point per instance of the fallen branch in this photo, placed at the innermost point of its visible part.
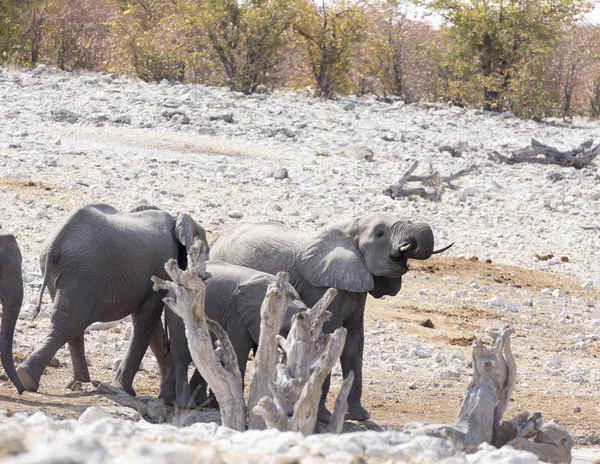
(435, 182)
(578, 157)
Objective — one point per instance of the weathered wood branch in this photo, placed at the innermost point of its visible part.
(272, 312)
(341, 405)
(433, 183)
(310, 357)
(305, 411)
(578, 157)
(485, 402)
(219, 367)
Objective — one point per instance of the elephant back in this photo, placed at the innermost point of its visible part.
(266, 247)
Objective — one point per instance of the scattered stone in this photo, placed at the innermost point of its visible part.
(497, 302)
(447, 374)
(63, 115)
(155, 411)
(558, 293)
(527, 302)
(588, 285)
(235, 214)
(427, 323)
(279, 173)
(92, 414)
(361, 153)
(55, 363)
(227, 117)
(76, 386)
(123, 119)
(577, 410)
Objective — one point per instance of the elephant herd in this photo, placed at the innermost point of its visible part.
(98, 262)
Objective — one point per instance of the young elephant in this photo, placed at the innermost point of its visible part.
(233, 298)
(11, 297)
(97, 266)
(357, 256)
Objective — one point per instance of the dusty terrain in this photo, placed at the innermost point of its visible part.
(455, 324)
(526, 235)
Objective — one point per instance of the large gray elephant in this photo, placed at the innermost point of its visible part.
(357, 256)
(233, 298)
(11, 297)
(97, 265)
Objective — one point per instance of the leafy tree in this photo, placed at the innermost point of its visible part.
(491, 40)
(243, 37)
(9, 27)
(330, 30)
(397, 52)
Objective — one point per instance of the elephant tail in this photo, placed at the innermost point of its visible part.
(46, 261)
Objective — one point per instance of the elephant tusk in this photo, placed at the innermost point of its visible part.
(441, 250)
(405, 247)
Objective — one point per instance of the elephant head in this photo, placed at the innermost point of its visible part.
(367, 254)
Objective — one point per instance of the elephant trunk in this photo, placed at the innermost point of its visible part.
(417, 242)
(10, 313)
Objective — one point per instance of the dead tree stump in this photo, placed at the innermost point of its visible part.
(484, 404)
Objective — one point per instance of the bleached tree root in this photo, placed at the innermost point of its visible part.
(218, 366)
(433, 184)
(484, 404)
(578, 157)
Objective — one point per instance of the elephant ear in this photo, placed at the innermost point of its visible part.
(331, 259)
(248, 300)
(186, 231)
(385, 286)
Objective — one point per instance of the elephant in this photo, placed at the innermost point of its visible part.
(97, 266)
(233, 298)
(357, 256)
(11, 297)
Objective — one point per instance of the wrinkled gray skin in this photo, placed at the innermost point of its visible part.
(97, 265)
(357, 256)
(234, 295)
(11, 298)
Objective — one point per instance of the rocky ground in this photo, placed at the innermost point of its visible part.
(526, 246)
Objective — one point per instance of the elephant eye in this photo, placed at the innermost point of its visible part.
(379, 233)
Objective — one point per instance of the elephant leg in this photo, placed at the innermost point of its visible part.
(33, 367)
(78, 361)
(158, 345)
(352, 360)
(144, 325)
(167, 388)
(198, 388)
(69, 320)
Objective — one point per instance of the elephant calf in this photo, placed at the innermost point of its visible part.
(97, 266)
(233, 298)
(11, 297)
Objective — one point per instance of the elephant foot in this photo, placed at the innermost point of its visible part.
(357, 412)
(76, 384)
(27, 380)
(324, 415)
